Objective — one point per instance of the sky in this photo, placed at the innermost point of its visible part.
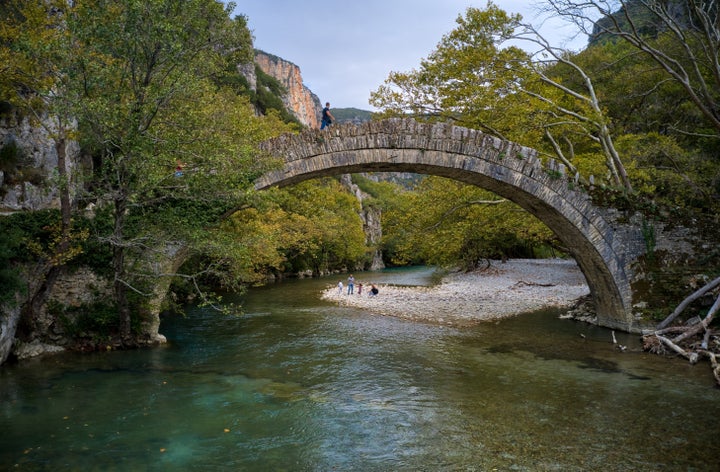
(347, 48)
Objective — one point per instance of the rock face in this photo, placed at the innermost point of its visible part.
(9, 317)
(27, 162)
(370, 217)
(304, 104)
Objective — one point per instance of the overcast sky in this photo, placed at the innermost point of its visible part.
(346, 48)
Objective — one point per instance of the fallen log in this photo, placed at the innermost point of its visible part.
(693, 355)
(713, 363)
(532, 284)
(703, 325)
(673, 346)
(670, 329)
(684, 304)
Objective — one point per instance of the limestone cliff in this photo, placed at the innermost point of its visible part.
(28, 161)
(370, 216)
(304, 104)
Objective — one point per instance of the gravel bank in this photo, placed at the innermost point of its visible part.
(505, 289)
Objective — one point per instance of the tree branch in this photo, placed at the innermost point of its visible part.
(460, 207)
(685, 303)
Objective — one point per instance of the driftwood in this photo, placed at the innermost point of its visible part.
(714, 363)
(673, 346)
(532, 284)
(703, 325)
(685, 303)
(670, 329)
(680, 344)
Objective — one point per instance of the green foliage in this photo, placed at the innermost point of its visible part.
(232, 80)
(469, 79)
(96, 253)
(383, 194)
(30, 238)
(151, 88)
(313, 226)
(97, 321)
(668, 174)
(446, 223)
(20, 229)
(328, 229)
(11, 246)
(267, 98)
(635, 119)
(193, 109)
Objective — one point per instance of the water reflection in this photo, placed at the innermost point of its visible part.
(300, 384)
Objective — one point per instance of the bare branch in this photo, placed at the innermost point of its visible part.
(673, 346)
(559, 152)
(604, 138)
(700, 78)
(132, 287)
(685, 303)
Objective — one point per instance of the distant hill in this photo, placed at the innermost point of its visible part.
(351, 115)
(644, 21)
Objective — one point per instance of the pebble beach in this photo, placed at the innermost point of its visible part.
(461, 298)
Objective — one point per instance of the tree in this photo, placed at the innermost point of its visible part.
(33, 48)
(682, 37)
(586, 111)
(447, 223)
(327, 230)
(469, 78)
(310, 226)
(140, 79)
(148, 104)
(479, 78)
(655, 66)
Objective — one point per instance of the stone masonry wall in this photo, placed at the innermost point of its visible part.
(606, 247)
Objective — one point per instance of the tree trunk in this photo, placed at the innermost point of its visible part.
(685, 303)
(48, 271)
(119, 252)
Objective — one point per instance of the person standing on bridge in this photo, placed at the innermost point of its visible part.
(327, 118)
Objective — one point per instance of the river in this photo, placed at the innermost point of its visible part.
(298, 384)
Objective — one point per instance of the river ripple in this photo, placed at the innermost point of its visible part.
(298, 384)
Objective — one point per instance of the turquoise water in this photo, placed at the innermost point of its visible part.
(298, 384)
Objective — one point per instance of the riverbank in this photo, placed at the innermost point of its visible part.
(504, 289)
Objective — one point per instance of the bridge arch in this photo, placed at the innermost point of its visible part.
(603, 250)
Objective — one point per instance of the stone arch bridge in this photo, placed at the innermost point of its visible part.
(604, 249)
